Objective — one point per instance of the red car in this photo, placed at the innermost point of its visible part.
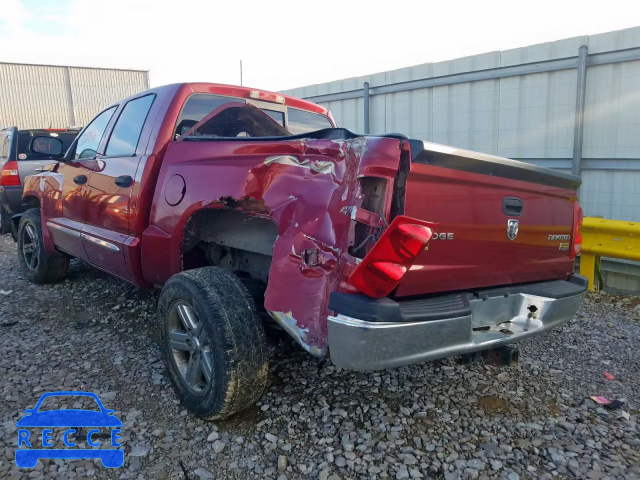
(378, 251)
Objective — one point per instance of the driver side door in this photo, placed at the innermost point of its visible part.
(66, 213)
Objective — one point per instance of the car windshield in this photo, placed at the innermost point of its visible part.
(26, 136)
(67, 402)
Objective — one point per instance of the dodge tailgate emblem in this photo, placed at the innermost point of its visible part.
(512, 229)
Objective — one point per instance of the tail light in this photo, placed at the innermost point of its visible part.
(391, 257)
(9, 176)
(266, 96)
(576, 238)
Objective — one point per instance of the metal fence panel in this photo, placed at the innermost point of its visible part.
(95, 89)
(37, 96)
(32, 96)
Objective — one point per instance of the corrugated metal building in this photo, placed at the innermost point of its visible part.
(48, 96)
(524, 104)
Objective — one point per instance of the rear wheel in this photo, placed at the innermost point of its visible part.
(213, 342)
(37, 265)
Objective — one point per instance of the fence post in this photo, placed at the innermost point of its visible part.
(365, 96)
(578, 128)
(69, 91)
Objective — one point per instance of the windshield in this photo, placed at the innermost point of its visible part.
(67, 402)
(228, 117)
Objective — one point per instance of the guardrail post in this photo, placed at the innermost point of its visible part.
(588, 265)
(365, 96)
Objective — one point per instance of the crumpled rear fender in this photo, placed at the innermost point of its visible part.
(309, 188)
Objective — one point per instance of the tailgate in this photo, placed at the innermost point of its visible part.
(501, 221)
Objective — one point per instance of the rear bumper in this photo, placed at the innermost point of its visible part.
(368, 334)
(11, 199)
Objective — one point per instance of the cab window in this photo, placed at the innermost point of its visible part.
(301, 121)
(89, 140)
(126, 133)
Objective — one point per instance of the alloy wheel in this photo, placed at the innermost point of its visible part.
(30, 247)
(190, 347)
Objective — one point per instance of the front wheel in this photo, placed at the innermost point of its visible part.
(37, 265)
(213, 342)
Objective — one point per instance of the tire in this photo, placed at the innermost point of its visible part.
(5, 221)
(209, 324)
(37, 265)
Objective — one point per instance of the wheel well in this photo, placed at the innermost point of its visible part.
(231, 239)
(28, 202)
(31, 201)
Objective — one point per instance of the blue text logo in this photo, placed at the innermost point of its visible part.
(68, 426)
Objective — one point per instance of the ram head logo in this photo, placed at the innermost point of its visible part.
(512, 229)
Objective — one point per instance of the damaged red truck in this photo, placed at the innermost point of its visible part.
(251, 209)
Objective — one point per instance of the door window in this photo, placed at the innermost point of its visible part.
(89, 140)
(126, 134)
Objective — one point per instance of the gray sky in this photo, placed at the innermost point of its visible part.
(286, 44)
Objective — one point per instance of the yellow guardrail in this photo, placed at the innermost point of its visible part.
(602, 237)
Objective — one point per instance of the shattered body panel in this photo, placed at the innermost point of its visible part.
(308, 187)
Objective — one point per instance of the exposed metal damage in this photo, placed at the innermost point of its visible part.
(317, 166)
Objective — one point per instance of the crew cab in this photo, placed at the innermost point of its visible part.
(251, 209)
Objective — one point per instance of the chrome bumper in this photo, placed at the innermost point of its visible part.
(370, 345)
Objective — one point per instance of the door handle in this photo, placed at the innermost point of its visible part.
(512, 206)
(38, 169)
(124, 181)
(80, 179)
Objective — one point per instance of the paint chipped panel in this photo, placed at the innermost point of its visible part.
(308, 187)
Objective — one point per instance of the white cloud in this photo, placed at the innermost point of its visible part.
(13, 16)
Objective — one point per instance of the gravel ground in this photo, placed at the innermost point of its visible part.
(437, 420)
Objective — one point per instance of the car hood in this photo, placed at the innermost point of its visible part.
(69, 418)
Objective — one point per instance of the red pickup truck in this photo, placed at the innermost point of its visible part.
(252, 209)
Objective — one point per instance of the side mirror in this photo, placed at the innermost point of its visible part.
(51, 146)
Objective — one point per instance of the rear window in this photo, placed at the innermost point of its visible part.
(26, 136)
(301, 121)
(199, 106)
(236, 121)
